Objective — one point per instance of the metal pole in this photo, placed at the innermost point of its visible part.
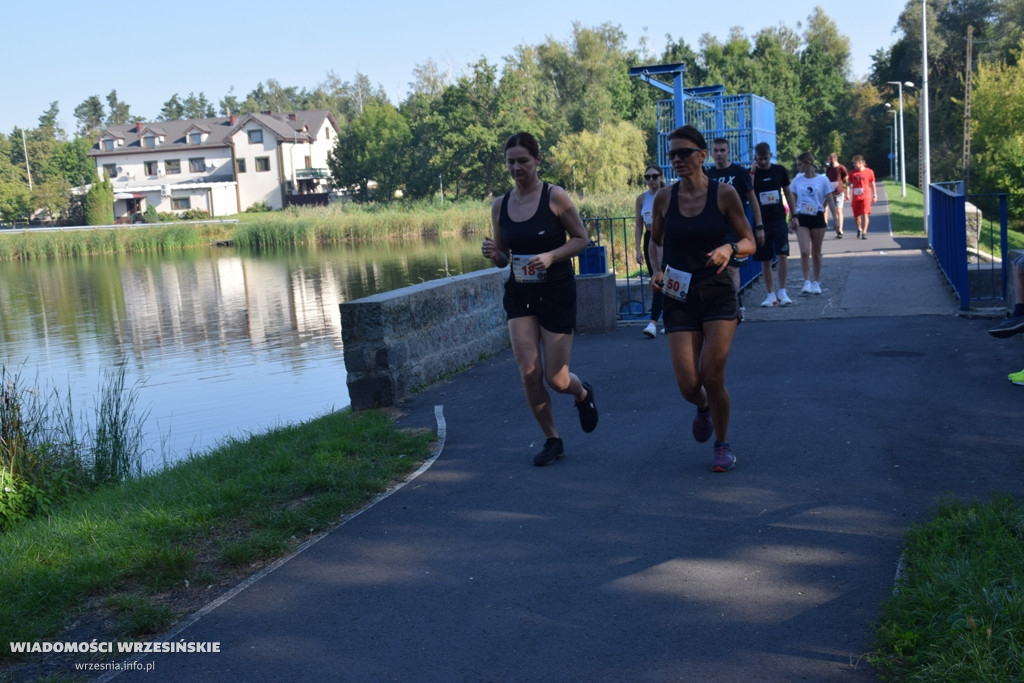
(892, 153)
(925, 139)
(903, 150)
(24, 146)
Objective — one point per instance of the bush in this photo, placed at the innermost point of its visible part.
(259, 207)
(151, 215)
(195, 215)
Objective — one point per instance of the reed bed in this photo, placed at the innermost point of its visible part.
(310, 226)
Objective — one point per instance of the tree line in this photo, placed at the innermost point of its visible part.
(595, 123)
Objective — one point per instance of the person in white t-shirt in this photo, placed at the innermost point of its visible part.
(813, 192)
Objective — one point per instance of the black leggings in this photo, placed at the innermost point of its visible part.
(657, 298)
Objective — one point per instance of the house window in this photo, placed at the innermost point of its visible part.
(195, 138)
(327, 131)
(255, 136)
(149, 141)
(172, 166)
(150, 167)
(110, 170)
(262, 164)
(197, 165)
(309, 162)
(240, 165)
(108, 145)
(181, 203)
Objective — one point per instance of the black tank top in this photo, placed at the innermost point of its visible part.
(687, 241)
(539, 233)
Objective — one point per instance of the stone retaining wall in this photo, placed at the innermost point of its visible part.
(398, 340)
(410, 337)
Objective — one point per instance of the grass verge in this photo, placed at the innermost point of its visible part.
(958, 612)
(128, 561)
(906, 215)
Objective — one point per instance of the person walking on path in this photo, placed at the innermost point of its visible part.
(837, 175)
(724, 171)
(642, 234)
(771, 184)
(536, 229)
(695, 220)
(813, 192)
(862, 193)
(1015, 323)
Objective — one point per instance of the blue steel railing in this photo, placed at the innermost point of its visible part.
(978, 281)
(617, 236)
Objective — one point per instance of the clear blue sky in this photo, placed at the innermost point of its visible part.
(68, 50)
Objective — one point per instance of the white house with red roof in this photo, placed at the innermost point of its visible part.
(221, 165)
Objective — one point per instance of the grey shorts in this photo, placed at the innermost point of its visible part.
(713, 298)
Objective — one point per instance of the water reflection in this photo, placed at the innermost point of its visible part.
(224, 343)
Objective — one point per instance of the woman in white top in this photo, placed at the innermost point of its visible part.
(812, 192)
(642, 233)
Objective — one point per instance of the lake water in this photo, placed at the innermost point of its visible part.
(218, 342)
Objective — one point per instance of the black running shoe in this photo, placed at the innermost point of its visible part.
(588, 410)
(551, 452)
(1008, 328)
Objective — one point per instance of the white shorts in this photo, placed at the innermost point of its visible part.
(840, 200)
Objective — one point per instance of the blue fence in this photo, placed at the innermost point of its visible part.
(617, 237)
(966, 231)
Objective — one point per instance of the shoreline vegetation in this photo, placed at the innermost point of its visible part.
(335, 224)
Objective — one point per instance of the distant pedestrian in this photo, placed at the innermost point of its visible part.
(837, 175)
(813, 192)
(642, 234)
(536, 228)
(771, 186)
(724, 171)
(699, 227)
(862, 193)
(1015, 323)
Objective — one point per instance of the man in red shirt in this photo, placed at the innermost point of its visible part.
(837, 175)
(862, 193)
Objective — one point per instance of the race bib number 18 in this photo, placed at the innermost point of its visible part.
(523, 272)
(676, 283)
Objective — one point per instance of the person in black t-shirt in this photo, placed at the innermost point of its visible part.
(724, 171)
(771, 185)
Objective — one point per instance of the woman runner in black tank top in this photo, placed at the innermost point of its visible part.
(536, 230)
(692, 220)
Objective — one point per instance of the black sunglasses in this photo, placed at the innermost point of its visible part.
(683, 153)
(652, 176)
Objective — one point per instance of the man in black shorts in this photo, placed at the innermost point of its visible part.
(771, 184)
(724, 171)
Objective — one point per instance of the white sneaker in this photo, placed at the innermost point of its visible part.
(784, 299)
(815, 288)
(650, 331)
(770, 300)
(808, 289)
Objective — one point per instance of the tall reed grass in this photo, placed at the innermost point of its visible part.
(47, 456)
(310, 226)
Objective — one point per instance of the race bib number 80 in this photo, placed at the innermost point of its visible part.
(523, 272)
(676, 283)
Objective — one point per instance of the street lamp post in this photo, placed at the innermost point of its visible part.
(894, 145)
(903, 145)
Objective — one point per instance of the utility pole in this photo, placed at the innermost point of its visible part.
(24, 146)
(967, 110)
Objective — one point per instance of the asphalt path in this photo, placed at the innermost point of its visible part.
(853, 413)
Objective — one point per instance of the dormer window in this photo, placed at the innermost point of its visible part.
(255, 136)
(108, 145)
(149, 141)
(195, 138)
